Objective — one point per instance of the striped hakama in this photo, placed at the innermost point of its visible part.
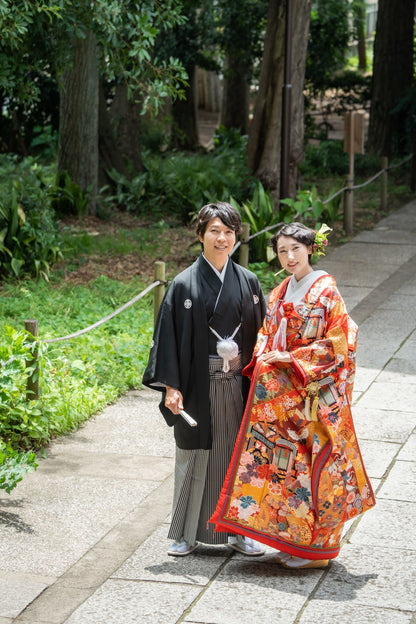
(199, 473)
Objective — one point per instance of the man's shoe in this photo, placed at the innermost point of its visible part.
(180, 548)
(245, 546)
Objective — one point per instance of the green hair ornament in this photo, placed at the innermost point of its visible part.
(321, 240)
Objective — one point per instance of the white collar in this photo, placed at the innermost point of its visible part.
(224, 268)
(296, 290)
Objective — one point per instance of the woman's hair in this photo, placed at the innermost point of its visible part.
(227, 213)
(295, 230)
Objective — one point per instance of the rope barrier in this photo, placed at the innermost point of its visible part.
(344, 188)
(107, 318)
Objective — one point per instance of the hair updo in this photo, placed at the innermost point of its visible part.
(299, 232)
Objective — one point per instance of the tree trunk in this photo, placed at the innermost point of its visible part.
(78, 119)
(360, 27)
(110, 157)
(184, 116)
(236, 93)
(126, 118)
(392, 75)
(264, 142)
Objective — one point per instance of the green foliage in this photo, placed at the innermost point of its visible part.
(310, 207)
(328, 41)
(326, 158)
(179, 184)
(29, 241)
(259, 213)
(14, 465)
(268, 278)
(78, 377)
(67, 197)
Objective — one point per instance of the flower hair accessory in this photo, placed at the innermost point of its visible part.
(321, 239)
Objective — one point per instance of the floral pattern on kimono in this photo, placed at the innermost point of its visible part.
(296, 474)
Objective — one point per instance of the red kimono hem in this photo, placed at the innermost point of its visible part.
(296, 551)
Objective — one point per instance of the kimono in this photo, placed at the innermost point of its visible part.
(296, 474)
(182, 340)
(184, 356)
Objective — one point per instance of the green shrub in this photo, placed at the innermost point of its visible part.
(78, 377)
(325, 159)
(179, 184)
(29, 240)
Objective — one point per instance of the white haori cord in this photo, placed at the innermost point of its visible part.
(227, 348)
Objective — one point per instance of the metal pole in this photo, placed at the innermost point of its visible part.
(286, 106)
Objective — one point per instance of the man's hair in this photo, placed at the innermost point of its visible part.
(224, 211)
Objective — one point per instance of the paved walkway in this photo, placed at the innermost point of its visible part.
(83, 539)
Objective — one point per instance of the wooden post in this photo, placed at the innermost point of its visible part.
(349, 193)
(353, 144)
(159, 290)
(383, 186)
(245, 235)
(413, 170)
(32, 385)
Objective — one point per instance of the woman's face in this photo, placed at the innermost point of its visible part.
(294, 256)
(218, 241)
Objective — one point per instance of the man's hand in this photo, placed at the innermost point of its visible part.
(173, 400)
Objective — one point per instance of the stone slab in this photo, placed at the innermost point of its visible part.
(390, 524)
(151, 562)
(370, 576)
(378, 456)
(381, 424)
(68, 461)
(16, 593)
(364, 377)
(350, 273)
(64, 515)
(399, 369)
(376, 253)
(131, 425)
(408, 451)
(403, 219)
(130, 602)
(247, 591)
(391, 396)
(386, 236)
(325, 611)
(54, 606)
(401, 482)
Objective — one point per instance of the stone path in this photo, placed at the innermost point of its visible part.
(83, 539)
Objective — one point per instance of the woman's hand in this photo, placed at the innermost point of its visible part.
(173, 399)
(276, 356)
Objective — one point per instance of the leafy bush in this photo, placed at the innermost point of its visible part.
(180, 184)
(79, 376)
(259, 213)
(29, 240)
(14, 465)
(324, 159)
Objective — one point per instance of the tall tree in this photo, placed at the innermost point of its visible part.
(78, 118)
(392, 76)
(265, 136)
(240, 35)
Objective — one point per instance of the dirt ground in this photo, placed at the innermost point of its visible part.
(182, 241)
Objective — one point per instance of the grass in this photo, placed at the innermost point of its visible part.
(78, 377)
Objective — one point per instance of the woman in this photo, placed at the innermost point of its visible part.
(296, 474)
(200, 372)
